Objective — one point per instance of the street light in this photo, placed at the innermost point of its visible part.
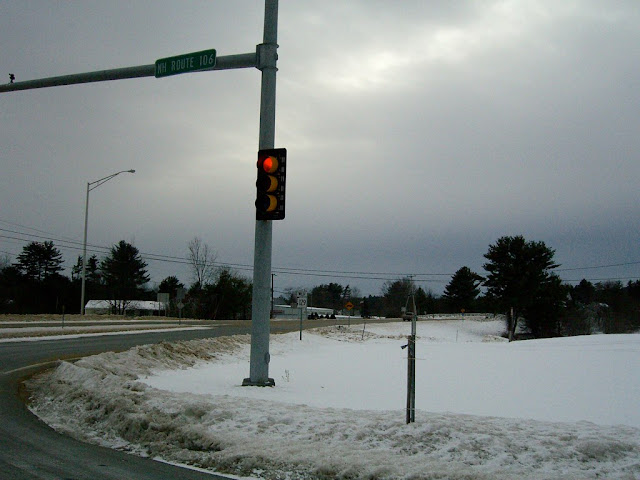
(91, 186)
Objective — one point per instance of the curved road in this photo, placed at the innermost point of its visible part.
(29, 449)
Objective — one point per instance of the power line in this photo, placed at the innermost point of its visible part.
(183, 260)
(61, 243)
(608, 279)
(596, 266)
(70, 244)
(396, 274)
(363, 276)
(34, 229)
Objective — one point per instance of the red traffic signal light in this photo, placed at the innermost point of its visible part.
(271, 183)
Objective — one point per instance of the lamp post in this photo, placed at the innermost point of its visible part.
(91, 186)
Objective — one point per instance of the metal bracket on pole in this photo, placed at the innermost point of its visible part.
(266, 56)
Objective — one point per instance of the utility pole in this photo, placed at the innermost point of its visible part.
(411, 363)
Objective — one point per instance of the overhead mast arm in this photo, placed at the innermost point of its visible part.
(227, 62)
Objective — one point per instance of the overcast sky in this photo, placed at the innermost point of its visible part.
(418, 133)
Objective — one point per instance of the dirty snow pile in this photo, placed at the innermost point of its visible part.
(563, 408)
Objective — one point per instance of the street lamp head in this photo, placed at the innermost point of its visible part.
(131, 171)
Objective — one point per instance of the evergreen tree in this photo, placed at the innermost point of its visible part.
(93, 270)
(13, 290)
(519, 273)
(395, 295)
(544, 316)
(229, 297)
(584, 292)
(36, 283)
(76, 270)
(462, 290)
(374, 306)
(633, 288)
(124, 273)
(328, 296)
(39, 261)
(234, 296)
(612, 293)
(170, 285)
(425, 301)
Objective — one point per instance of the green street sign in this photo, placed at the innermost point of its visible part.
(188, 62)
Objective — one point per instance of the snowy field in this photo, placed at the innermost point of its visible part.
(562, 408)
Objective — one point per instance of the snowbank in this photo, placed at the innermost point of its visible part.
(337, 409)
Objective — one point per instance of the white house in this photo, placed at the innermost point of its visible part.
(134, 307)
(287, 311)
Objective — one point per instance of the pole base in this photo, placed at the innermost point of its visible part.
(269, 383)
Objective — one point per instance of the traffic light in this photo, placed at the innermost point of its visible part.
(271, 183)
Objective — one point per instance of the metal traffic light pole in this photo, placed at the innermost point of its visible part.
(265, 59)
(261, 297)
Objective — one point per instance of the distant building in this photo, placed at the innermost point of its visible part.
(287, 311)
(136, 308)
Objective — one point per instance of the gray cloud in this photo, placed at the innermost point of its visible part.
(418, 132)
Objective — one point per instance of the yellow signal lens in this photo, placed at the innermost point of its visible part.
(273, 185)
(273, 203)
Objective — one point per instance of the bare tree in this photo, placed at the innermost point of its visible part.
(202, 260)
(5, 261)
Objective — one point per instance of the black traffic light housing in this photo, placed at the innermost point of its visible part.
(271, 183)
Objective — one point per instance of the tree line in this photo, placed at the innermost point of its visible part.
(34, 283)
(519, 283)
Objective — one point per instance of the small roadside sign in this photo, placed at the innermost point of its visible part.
(188, 62)
(349, 306)
(301, 297)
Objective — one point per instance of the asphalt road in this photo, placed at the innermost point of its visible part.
(29, 449)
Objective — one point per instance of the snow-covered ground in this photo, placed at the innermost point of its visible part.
(562, 408)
